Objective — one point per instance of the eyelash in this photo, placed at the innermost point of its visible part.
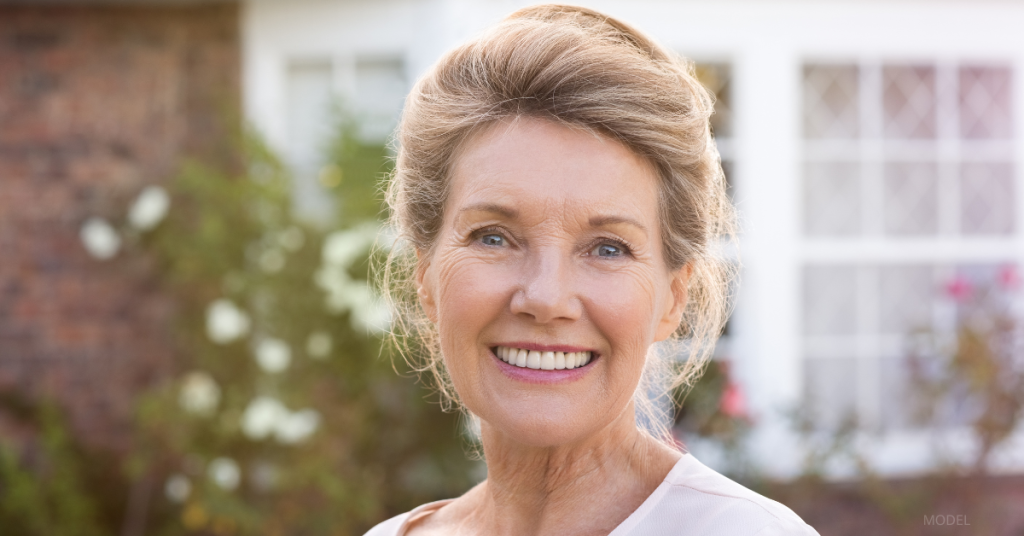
(627, 250)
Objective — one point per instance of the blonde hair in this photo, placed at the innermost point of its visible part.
(582, 69)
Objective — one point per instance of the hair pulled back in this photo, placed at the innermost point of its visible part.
(585, 70)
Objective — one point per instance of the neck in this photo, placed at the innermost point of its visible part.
(595, 482)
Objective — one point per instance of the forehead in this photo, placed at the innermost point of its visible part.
(530, 162)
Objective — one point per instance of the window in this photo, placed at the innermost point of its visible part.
(908, 183)
(309, 93)
(375, 91)
(717, 78)
(380, 89)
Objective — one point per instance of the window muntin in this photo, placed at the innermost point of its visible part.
(896, 155)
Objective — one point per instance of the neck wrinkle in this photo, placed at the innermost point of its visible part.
(538, 490)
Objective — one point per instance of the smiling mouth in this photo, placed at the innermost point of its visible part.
(534, 359)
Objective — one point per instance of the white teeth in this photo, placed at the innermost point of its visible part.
(542, 360)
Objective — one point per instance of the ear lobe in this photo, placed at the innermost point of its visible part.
(674, 313)
(423, 287)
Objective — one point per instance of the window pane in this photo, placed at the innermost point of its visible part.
(911, 194)
(730, 184)
(832, 203)
(380, 94)
(900, 394)
(909, 102)
(717, 78)
(830, 390)
(309, 94)
(831, 101)
(907, 295)
(985, 96)
(830, 300)
(987, 198)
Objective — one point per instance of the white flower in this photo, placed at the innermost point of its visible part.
(319, 345)
(262, 417)
(225, 322)
(291, 238)
(342, 248)
(376, 317)
(387, 237)
(298, 426)
(273, 355)
(99, 238)
(266, 416)
(149, 208)
(178, 488)
(334, 281)
(225, 473)
(272, 260)
(199, 393)
(369, 312)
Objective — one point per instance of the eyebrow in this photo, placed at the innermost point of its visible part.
(601, 221)
(501, 210)
(511, 213)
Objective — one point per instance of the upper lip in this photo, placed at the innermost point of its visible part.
(545, 347)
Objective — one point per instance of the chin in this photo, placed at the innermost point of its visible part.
(546, 431)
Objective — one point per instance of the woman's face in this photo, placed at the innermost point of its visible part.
(550, 254)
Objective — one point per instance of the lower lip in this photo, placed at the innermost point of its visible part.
(530, 375)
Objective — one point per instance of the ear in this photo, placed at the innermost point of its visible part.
(673, 314)
(424, 285)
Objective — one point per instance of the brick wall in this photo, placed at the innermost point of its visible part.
(95, 103)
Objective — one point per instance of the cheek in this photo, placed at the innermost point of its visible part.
(471, 294)
(466, 284)
(623, 305)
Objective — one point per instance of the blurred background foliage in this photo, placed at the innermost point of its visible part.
(286, 415)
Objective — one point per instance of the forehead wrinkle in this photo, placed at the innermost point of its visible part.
(503, 184)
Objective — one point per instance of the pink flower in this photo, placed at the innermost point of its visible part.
(1008, 277)
(733, 403)
(959, 288)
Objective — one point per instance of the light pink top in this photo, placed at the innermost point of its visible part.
(692, 500)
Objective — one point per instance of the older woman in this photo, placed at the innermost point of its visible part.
(561, 197)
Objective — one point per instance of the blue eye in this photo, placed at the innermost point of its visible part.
(492, 239)
(608, 250)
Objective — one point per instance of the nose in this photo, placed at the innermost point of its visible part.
(546, 290)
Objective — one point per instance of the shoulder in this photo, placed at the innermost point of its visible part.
(389, 527)
(694, 499)
(398, 525)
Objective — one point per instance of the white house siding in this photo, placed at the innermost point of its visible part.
(767, 45)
